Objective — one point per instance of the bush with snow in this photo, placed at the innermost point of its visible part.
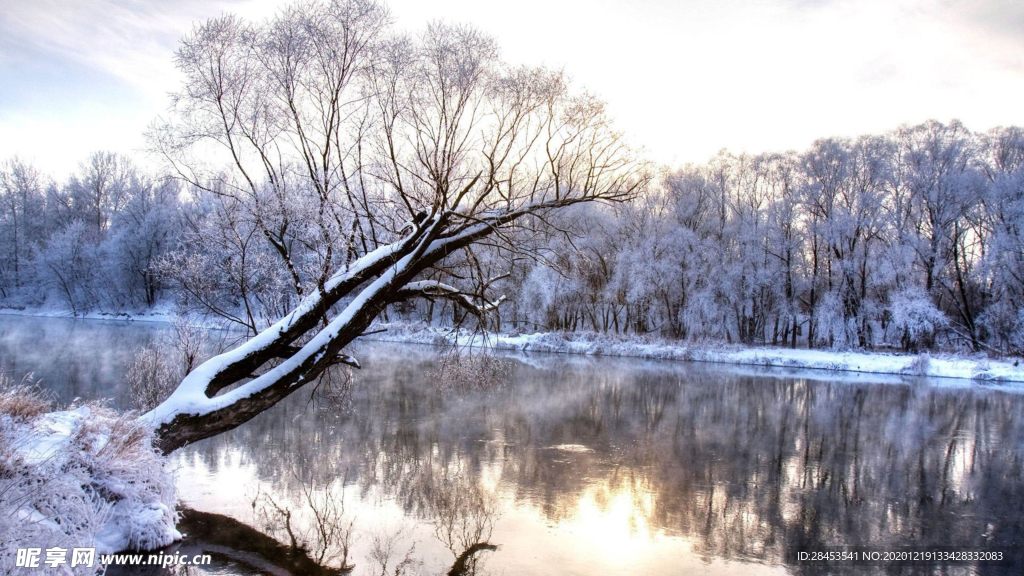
(1004, 324)
(914, 319)
(81, 477)
(832, 328)
(155, 371)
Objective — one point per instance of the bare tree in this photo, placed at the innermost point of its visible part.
(100, 190)
(21, 206)
(410, 151)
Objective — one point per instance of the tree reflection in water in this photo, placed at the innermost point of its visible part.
(598, 464)
(728, 465)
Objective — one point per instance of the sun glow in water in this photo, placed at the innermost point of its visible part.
(614, 520)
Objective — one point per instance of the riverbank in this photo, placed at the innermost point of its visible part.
(81, 477)
(976, 367)
(942, 365)
(159, 313)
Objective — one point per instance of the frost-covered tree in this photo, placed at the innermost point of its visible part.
(99, 190)
(939, 173)
(649, 278)
(784, 241)
(141, 233)
(21, 222)
(913, 318)
(844, 195)
(1002, 228)
(411, 151)
(223, 265)
(67, 265)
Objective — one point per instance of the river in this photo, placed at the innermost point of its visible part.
(576, 465)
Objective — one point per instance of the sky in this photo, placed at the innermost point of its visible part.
(682, 78)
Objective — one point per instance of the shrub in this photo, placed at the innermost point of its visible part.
(80, 477)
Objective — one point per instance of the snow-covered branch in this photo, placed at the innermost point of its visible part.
(430, 289)
(449, 146)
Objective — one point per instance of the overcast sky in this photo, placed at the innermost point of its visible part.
(683, 78)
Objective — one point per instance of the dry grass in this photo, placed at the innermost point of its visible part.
(127, 436)
(24, 400)
(150, 379)
(124, 437)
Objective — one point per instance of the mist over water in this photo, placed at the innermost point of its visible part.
(73, 358)
(592, 465)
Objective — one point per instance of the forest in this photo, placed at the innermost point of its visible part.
(911, 239)
(322, 175)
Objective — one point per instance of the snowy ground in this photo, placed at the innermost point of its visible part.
(938, 366)
(973, 367)
(80, 477)
(160, 313)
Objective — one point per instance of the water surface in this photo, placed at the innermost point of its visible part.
(588, 465)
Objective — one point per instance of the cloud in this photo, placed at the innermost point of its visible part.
(71, 63)
(1003, 17)
(133, 40)
(103, 35)
(683, 78)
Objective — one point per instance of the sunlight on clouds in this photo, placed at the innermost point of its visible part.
(686, 79)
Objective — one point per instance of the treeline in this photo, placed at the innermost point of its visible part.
(92, 242)
(913, 239)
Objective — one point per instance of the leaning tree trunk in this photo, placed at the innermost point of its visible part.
(273, 365)
(427, 120)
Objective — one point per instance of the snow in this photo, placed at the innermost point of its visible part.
(51, 433)
(935, 366)
(83, 477)
(190, 396)
(161, 313)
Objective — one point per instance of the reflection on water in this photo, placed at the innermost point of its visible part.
(587, 466)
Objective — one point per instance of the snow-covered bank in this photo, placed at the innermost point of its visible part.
(937, 365)
(156, 314)
(84, 477)
(971, 367)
